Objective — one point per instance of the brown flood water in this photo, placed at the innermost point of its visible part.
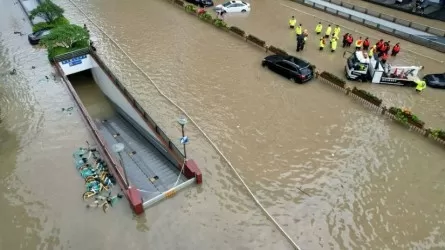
(371, 183)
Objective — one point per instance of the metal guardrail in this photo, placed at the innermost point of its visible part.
(388, 30)
(72, 54)
(390, 18)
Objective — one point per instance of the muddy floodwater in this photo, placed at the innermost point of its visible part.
(368, 183)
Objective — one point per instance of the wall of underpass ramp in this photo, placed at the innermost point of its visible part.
(125, 108)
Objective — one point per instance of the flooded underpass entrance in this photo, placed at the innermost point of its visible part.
(146, 167)
(368, 179)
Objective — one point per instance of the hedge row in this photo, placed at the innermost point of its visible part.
(403, 116)
(44, 25)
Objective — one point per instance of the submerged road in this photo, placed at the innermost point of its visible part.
(358, 169)
(430, 105)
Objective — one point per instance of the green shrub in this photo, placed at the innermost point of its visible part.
(59, 21)
(190, 8)
(277, 51)
(55, 51)
(405, 116)
(367, 96)
(256, 40)
(238, 31)
(333, 78)
(206, 17)
(219, 23)
(438, 133)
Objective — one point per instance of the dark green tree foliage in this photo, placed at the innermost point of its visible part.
(47, 10)
(66, 36)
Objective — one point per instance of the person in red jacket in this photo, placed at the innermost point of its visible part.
(366, 44)
(379, 45)
(345, 40)
(349, 40)
(395, 49)
(384, 58)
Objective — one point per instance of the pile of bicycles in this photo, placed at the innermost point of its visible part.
(98, 179)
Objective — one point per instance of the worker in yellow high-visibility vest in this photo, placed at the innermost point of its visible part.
(322, 43)
(292, 22)
(318, 28)
(327, 34)
(299, 30)
(421, 85)
(337, 31)
(333, 44)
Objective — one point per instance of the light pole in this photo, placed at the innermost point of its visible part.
(118, 148)
(184, 139)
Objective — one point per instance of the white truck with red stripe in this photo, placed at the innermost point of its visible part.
(361, 67)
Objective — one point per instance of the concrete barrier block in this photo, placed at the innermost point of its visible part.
(373, 13)
(403, 22)
(418, 26)
(360, 9)
(369, 23)
(320, 7)
(387, 17)
(436, 32)
(357, 19)
(332, 11)
(337, 2)
(401, 34)
(342, 14)
(347, 5)
(386, 29)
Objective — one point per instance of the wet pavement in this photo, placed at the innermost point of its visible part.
(370, 183)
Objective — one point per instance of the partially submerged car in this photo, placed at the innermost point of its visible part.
(435, 80)
(296, 69)
(233, 6)
(35, 37)
(201, 3)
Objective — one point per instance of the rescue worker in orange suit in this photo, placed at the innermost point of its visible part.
(358, 44)
(349, 40)
(383, 49)
(387, 47)
(366, 44)
(379, 45)
(292, 22)
(384, 58)
(345, 40)
(322, 43)
(395, 49)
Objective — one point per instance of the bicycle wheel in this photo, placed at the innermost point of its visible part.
(88, 194)
(89, 179)
(105, 207)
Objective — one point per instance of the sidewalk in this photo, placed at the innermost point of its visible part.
(432, 11)
(28, 6)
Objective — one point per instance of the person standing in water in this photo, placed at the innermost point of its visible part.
(318, 28)
(292, 22)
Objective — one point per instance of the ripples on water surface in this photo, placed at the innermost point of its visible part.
(371, 184)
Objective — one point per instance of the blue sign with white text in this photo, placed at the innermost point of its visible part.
(75, 60)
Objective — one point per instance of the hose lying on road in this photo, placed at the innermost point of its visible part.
(291, 241)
